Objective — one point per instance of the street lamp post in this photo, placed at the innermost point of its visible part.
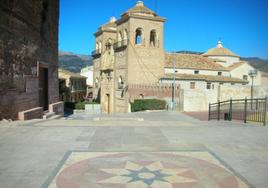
(174, 83)
(252, 74)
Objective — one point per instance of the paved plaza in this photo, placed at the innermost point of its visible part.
(139, 150)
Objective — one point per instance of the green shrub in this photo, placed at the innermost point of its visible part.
(147, 104)
(81, 105)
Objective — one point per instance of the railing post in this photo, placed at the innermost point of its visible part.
(245, 110)
(219, 110)
(209, 111)
(265, 111)
(231, 110)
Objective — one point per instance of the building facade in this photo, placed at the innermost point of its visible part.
(130, 52)
(73, 86)
(88, 73)
(28, 57)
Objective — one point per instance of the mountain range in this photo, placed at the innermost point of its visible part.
(257, 63)
(75, 62)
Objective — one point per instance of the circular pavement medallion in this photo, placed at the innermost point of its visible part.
(145, 170)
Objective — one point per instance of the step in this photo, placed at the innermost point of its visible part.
(55, 117)
(47, 115)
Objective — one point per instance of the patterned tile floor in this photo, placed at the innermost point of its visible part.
(182, 169)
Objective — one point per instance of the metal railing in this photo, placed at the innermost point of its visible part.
(121, 44)
(96, 53)
(254, 110)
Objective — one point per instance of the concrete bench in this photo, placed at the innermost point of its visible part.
(57, 108)
(92, 108)
(34, 113)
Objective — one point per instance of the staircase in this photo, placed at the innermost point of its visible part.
(50, 115)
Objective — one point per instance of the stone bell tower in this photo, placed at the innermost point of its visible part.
(145, 51)
(128, 51)
(103, 60)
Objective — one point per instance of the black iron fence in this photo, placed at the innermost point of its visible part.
(254, 110)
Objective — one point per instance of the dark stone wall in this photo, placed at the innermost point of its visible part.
(28, 35)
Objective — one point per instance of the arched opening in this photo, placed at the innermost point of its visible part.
(119, 37)
(153, 38)
(97, 46)
(138, 36)
(109, 44)
(120, 82)
(100, 47)
(125, 34)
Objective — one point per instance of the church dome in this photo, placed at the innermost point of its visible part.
(220, 51)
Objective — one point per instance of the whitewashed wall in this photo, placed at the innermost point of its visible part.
(260, 91)
(244, 70)
(264, 81)
(185, 84)
(88, 72)
(199, 99)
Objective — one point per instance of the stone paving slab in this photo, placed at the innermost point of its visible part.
(30, 151)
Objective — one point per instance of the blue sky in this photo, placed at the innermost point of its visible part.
(194, 25)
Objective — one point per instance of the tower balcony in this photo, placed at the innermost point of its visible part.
(96, 53)
(120, 45)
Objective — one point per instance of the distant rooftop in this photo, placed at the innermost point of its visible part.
(192, 61)
(220, 51)
(71, 74)
(189, 52)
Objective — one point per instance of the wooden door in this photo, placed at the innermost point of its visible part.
(43, 88)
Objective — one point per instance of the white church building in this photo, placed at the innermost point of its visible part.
(218, 74)
(218, 66)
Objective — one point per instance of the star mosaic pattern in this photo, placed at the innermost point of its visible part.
(144, 170)
(153, 175)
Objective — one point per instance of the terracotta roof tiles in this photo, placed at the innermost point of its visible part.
(192, 61)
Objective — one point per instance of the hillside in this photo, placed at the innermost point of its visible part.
(74, 62)
(257, 63)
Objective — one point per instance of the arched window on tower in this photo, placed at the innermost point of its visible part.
(120, 82)
(138, 37)
(125, 34)
(119, 39)
(153, 38)
(119, 36)
(125, 38)
(97, 46)
(100, 47)
(109, 44)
